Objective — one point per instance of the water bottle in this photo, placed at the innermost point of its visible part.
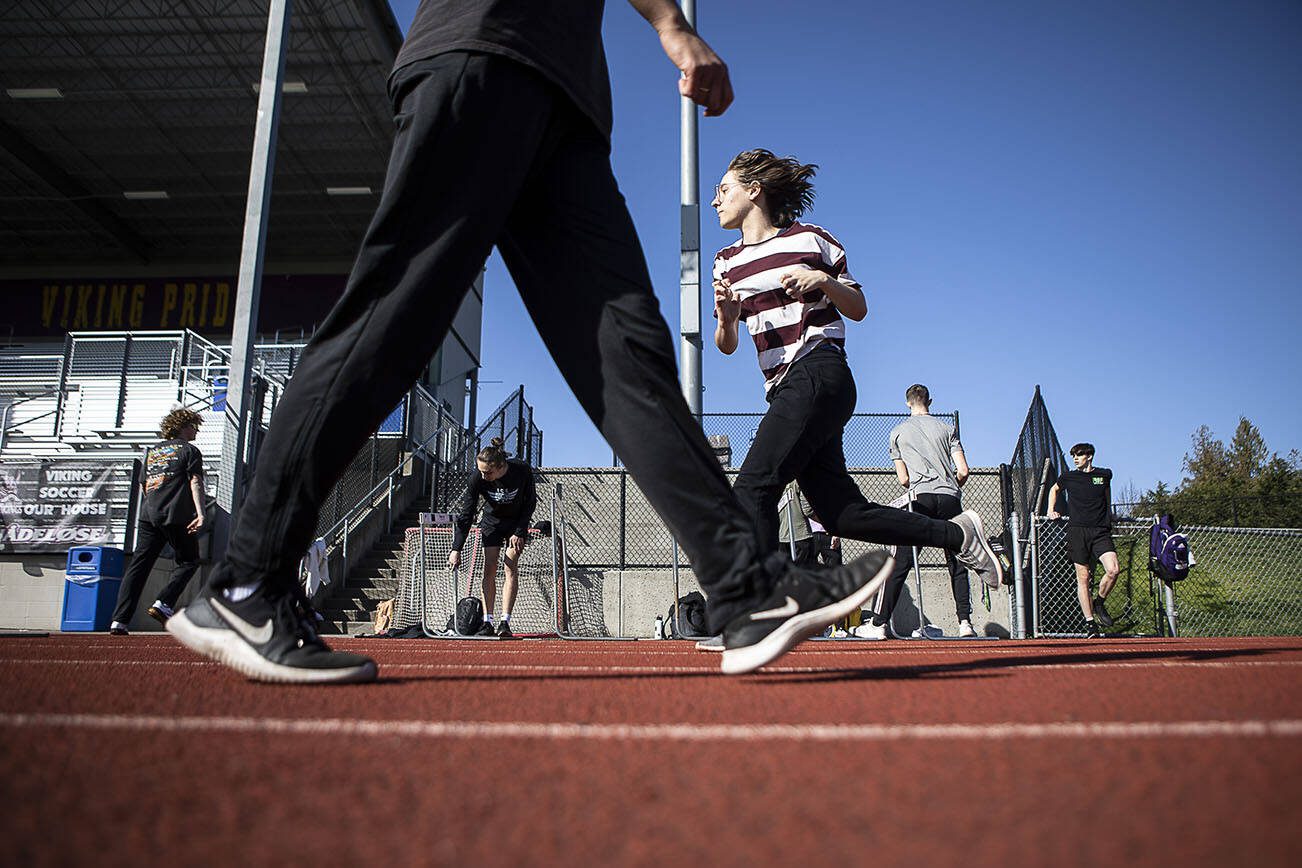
(660, 628)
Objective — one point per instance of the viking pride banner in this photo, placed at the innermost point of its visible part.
(55, 505)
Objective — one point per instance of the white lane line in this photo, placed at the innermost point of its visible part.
(691, 732)
(489, 667)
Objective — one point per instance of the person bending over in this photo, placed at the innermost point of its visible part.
(171, 513)
(1089, 532)
(929, 461)
(788, 281)
(507, 488)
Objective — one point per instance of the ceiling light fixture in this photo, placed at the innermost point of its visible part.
(348, 191)
(144, 194)
(34, 93)
(285, 87)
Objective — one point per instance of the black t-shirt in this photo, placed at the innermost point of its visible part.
(559, 38)
(169, 467)
(1089, 497)
(509, 501)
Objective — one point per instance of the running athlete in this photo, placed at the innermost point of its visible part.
(788, 281)
(507, 487)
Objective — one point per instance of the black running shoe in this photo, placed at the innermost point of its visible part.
(1092, 630)
(504, 630)
(266, 639)
(1101, 612)
(486, 629)
(802, 603)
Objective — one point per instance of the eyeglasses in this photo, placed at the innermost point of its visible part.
(720, 190)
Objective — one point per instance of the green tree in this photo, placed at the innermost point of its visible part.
(1243, 484)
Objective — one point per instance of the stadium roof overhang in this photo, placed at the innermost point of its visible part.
(126, 129)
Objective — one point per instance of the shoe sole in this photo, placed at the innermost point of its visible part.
(157, 615)
(979, 529)
(229, 649)
(793, 631)
(704, 645)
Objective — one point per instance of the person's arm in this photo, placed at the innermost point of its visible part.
(529, 502)
(961, 470)
(901, 472)
(705, 78)
(1053, 502)
(727, 310)
(465, 515)
(803, 281)
(196, 492)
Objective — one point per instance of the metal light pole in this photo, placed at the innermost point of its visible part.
(689, 267)
(235, 435)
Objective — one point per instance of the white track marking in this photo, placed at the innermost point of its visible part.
(489, 667)
(689, 732)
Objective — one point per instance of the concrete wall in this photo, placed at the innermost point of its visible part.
(32, 586)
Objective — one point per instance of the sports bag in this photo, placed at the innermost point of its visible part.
(691, 617)
(470, 616)
(1169, 557)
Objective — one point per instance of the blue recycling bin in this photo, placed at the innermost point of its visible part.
(94, 575)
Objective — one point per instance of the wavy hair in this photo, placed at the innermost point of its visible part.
(788, 192)
(173, 422)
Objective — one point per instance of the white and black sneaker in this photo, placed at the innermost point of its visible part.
(976, 553)
(267, 639)
(802, 603)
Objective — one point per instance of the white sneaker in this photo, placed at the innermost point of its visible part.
(869, 630)
(965, 629)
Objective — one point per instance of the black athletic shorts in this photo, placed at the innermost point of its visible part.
(1084, 544)
(493, 534)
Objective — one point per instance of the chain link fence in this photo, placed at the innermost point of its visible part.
(1245, 582)
(624, 560)
(866, 439)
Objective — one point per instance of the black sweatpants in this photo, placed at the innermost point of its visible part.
(800, 438)
(944, 506)
(489, 152)
(150, 540)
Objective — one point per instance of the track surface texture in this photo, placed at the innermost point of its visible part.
(1119, 752)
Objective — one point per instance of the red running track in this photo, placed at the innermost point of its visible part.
(1136, 752)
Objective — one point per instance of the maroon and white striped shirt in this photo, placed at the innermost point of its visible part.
(785, 329)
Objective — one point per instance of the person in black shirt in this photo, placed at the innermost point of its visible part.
(502, 121)
(507, 487)
(1089, 531)
(171, 513)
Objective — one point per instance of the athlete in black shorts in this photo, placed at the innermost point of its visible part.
(1089, 531)
(507, 488)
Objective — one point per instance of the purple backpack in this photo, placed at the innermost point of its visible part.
(1168, 551)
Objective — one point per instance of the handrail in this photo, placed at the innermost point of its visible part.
(387, 480)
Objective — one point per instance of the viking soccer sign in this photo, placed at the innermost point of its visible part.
(55, 505)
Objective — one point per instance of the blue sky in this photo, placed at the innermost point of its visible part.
(1102, 198)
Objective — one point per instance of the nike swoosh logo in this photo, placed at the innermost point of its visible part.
(785, 611)
(255, 635)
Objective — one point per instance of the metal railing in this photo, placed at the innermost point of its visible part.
(513, 422)
(352, 510)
